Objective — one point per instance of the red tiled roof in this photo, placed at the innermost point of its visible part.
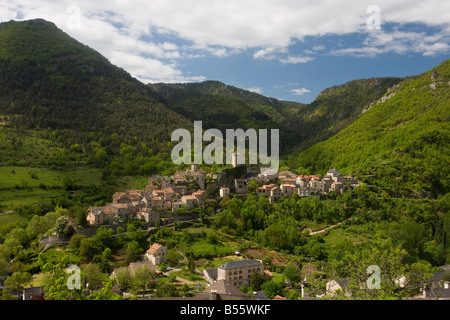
(155, 247)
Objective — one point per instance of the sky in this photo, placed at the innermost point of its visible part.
(285, 49)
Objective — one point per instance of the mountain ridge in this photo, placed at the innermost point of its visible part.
(50, 80)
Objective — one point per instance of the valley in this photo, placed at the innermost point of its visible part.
(78, 135)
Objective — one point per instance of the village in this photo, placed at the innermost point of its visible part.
(161, 203)
(164, 197)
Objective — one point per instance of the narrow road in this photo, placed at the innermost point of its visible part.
(325, 229)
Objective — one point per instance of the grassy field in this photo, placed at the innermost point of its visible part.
(24, 186)
(6, 219)
(15, 177)
(338, 234)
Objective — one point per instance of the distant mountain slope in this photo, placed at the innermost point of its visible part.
(301, 125)
(48, 79)
(337, 107)
(226, 107)
(402, 141)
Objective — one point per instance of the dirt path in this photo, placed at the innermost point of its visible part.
(325, 229)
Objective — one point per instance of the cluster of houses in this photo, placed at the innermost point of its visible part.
(302, 185)
(168, 194)
(162, 194)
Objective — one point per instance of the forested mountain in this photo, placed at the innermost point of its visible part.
(50, 80)
(401, 143)
(301, 125)
(53, 84)
(74, 129)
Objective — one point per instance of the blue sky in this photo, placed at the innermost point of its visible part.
(286, 49)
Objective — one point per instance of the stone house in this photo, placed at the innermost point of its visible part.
(149, 215)
(190, 201)
(267, 175)
(157, 254)
(223, 192)
(96, 216)
(265, 190)
(240, 185)
(275, 194)
(283, 175)
(288, 189)
(176, 205)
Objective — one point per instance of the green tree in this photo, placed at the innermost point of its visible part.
(191, 263)
(63, 227)
(88, 248)
(133, 251)
(257, 279)
(166, 290)
(272, 288)
(143, 277)
(381, 252)
(93, 275)
(18, 280)
(292, 273)
(252, 186)
(5, 295)
(124, 278)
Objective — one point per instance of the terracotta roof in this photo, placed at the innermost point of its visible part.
(135, 191)
(189, 197)
(288, 185)
(118, 195)
(155, 247)
(119, 205)
(270, 274)
(277, 297)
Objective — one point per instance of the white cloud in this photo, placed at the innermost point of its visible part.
(399, 42)
(225, 27)
(299, 92)
(295, 60)
(256, 90)
(268, 53)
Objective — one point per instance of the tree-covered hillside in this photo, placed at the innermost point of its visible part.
(401, 144)
(301, 125)
(49, 80)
